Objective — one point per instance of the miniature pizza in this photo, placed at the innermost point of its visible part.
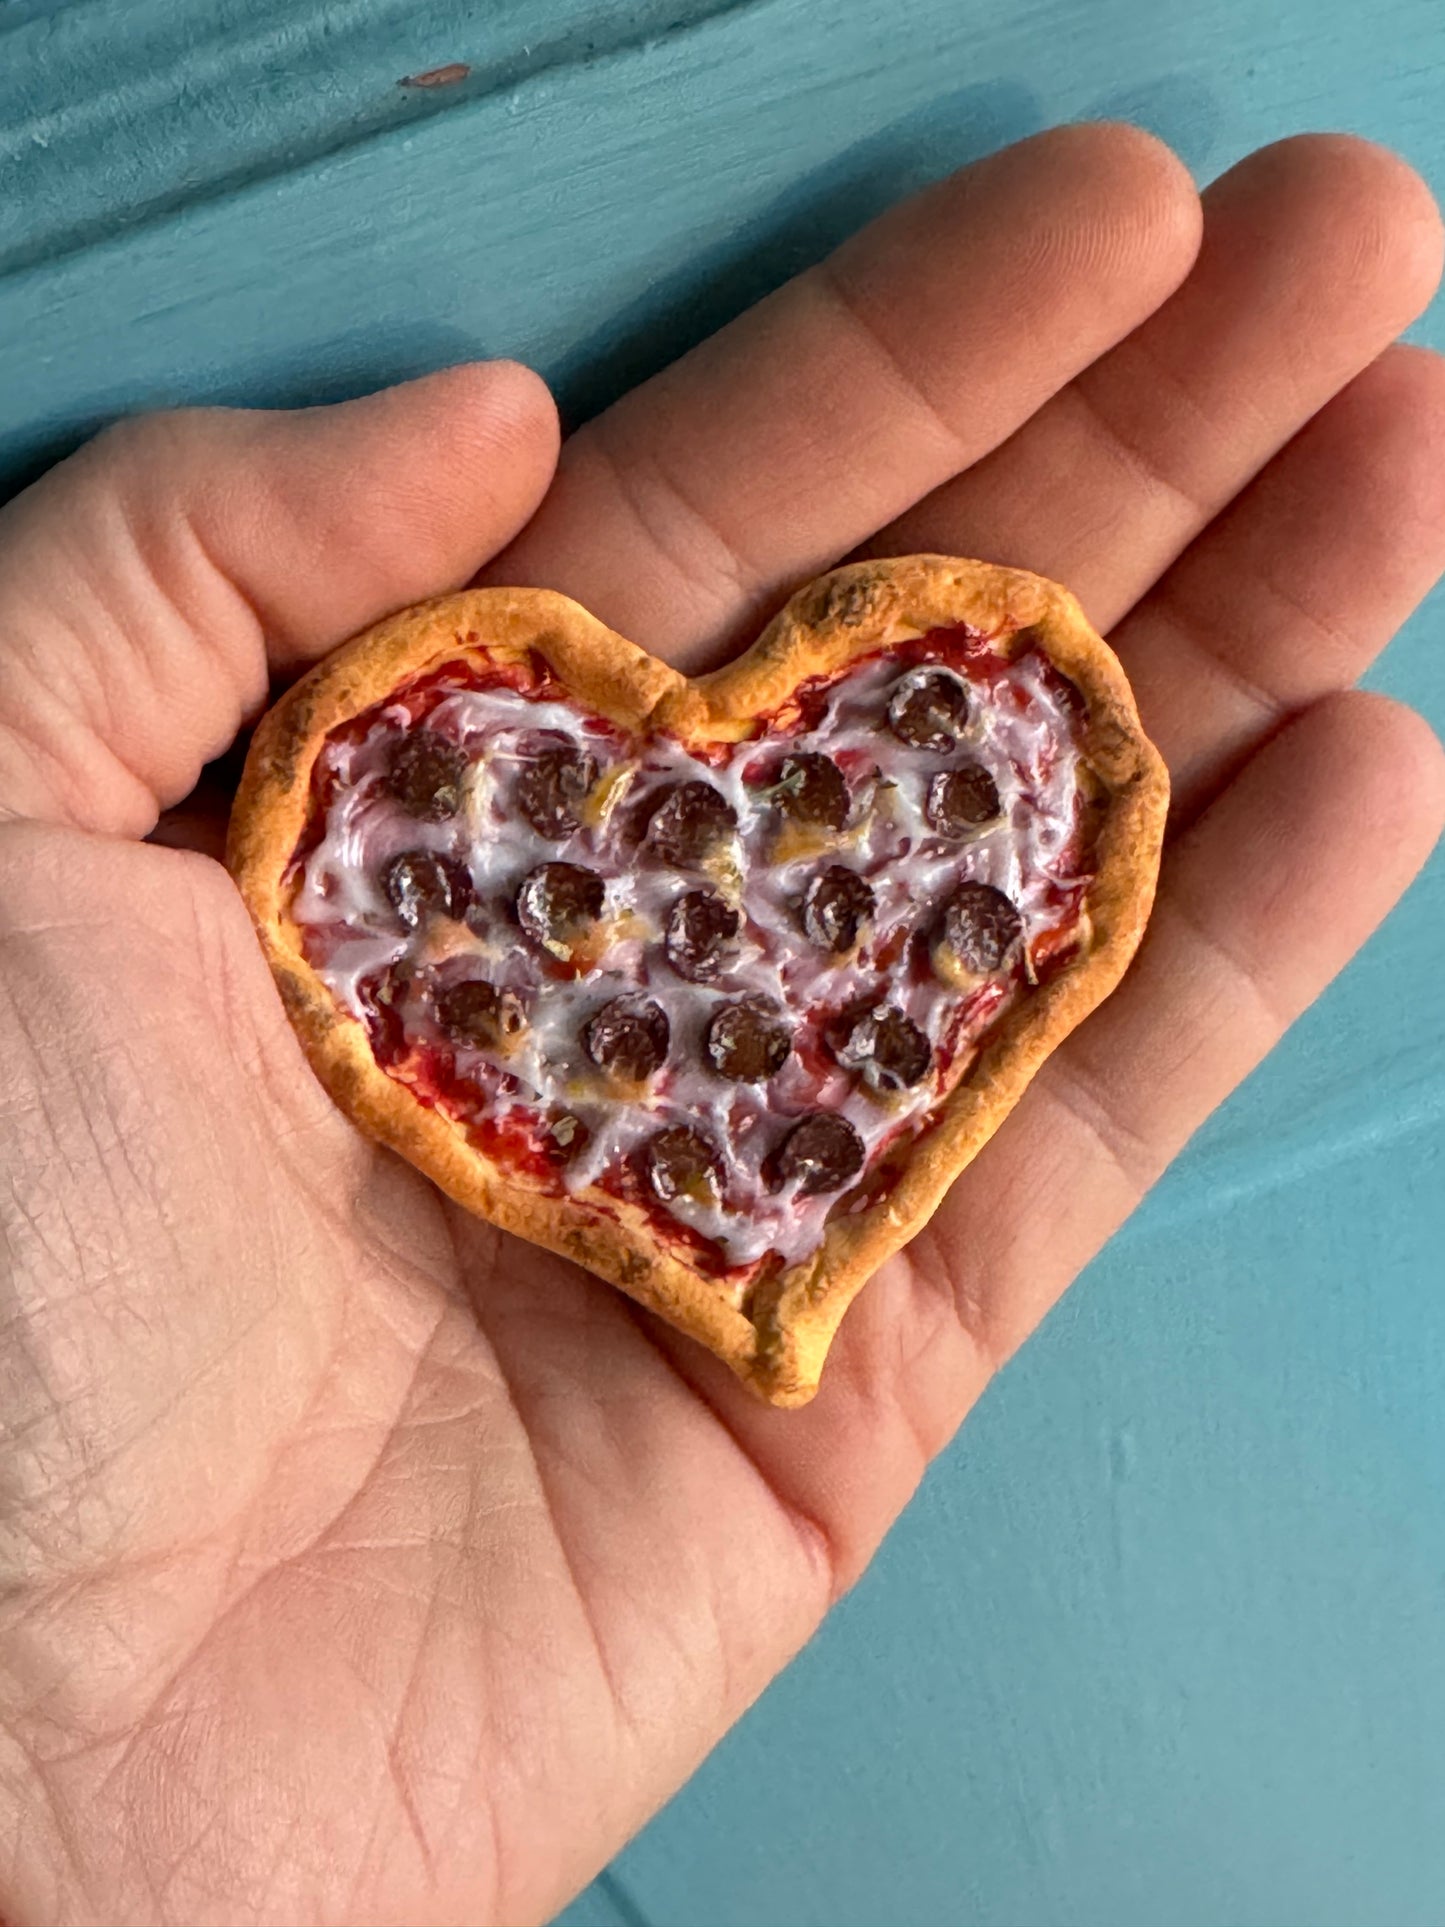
(713, 986)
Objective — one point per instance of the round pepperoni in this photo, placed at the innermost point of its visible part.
(420, 884)
(810, 788)
(822, 1153)
(929, 709)
(886, 1047)
(557, 900)
(748, 1041)
(960, 801)
(680, 1162)
(836, 904)
(689, 823)
(552, 789)
(981, 926)
(701, 930)
(628, 1038)
(477, 1013)
(425, 776)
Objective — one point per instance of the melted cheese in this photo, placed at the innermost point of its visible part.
(1020, 729)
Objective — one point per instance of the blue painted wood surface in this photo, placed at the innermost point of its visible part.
(1163, 1638)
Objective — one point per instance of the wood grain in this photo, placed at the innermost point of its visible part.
(1160, 1640)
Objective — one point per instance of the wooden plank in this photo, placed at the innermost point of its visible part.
(1159, 1640)
(122, 111)
(604, 213)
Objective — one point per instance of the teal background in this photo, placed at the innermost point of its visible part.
(1162, 1640)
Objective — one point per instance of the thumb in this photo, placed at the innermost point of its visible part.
(152, 584)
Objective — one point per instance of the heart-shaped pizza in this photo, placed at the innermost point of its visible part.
(713, 986)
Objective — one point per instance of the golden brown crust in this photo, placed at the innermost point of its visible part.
(780, 1349)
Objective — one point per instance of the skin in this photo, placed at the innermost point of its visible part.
(360, 1563)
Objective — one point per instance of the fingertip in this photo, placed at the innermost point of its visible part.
(407, 492)
(328, 517)
(1315, 839)
(1136, 187)
(496, 419)
(1397, 757)
(1088, 228)
(1407, 384)
(1132, 159)
(499, 395)
(1362, 201)
(1364, 173)
(1415, 355)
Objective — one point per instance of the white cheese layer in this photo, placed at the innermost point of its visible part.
(1020, 728)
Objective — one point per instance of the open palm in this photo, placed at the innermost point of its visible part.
(360, 1563)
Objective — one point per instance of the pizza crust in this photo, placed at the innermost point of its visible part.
(779, 1349)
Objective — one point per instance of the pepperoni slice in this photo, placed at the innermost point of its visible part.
(748, 1041)
(701, 931)
(565, 1137)
(628, 1038)
(552, 789)
(836, 905)
(558, 900)
(478, 1013)
(960, 801)
(420, 884)
(981, 926)
(689, 823)
(929, 709)
(886, 1047)
(680, 1162)
(821, 1154)
(810, 788)
(425, 775)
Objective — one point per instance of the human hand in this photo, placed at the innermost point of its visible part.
(361, 1563)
